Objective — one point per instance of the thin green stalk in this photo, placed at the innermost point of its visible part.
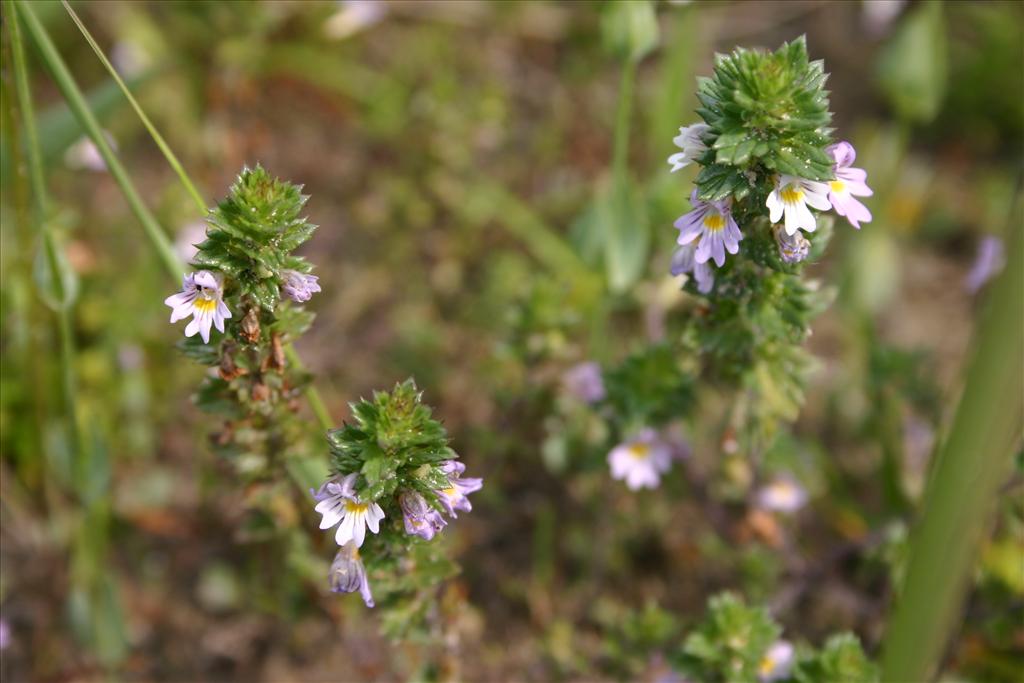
(40, 197)
(963, 485)
(623, 115)
(312, 395)
(80, 108)
(153, 132)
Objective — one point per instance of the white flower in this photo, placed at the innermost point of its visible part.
(187, 238)
(201, 296)
(85, 155)
(337, 502)
(689, 140)
(791, 197)
(783, 494)
(641, 461)
(777, 662)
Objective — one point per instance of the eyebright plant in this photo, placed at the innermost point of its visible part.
(743, 644)
(769, 170)
(395, 485)
(244, 304)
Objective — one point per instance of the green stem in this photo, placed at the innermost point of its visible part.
(153, 132)
(623, 114)
(40, 196)
(312, 395)
(80, 108)
(963, 485)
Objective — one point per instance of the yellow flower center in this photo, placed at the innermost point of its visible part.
(766, 667)
(640, 451)
(791, 194)
(352, 506)
(714, 222)
(450, 492)
(205, 305)
(837, 185)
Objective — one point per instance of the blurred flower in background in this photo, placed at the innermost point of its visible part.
(989, 261)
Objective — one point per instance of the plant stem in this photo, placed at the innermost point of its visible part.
(964, 483)
(153, 132)
(56, 265)
(80, 108)
(623, 114)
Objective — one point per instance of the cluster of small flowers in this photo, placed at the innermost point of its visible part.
(643, 459)
(709, 230)
(339, 505)
(202, 297)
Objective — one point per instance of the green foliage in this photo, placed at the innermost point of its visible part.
(650, 387)
(914, 65)
(394, 444)
(842, 660)
(730, 642)
(630, 29)
(253, 232)
(767, 112)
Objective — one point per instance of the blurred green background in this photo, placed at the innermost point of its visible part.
(453, 152)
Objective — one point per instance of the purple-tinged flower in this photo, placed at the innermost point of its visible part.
(683, 262)
(584, 381)
(298, 287)
(420, 518)
(713, 223)
(348, 575)
(690, 141)
(791, 197)
(783, 494)
(990, 260)
(792, 248)
(641, 461)
(849, 182)
(777, 662)
(5, 634)
(337, 502)
(456, 496)
(201, 296)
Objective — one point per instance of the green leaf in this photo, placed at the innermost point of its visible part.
(630, 29)
(623, 219)
(913, 67)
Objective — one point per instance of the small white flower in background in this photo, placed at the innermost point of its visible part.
(337, 502)
(129, 58)
(187, 238)
(783, 494)
(201, 296)
(584, 381)
(689, 140)
(641, 461)
(684, 262)
(777, 662)
(791, 197)
(879, 15)
(84, 155)
(990, 260)
(353, 17)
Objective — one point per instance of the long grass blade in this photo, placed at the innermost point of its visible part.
(153, 132)
(964, 484)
